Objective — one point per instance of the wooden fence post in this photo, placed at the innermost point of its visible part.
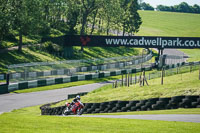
(122, 80)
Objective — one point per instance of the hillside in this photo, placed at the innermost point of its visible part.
(185, 84)
(169, 24)
(36, 55)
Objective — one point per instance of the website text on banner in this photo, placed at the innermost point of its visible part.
(133, 41)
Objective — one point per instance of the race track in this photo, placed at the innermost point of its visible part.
(163, 117)
(9, 102)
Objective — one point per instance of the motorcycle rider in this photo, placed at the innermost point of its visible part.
(77, 99)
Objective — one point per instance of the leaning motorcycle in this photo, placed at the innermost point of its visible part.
(76, 108)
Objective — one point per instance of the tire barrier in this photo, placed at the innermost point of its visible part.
(127, 106)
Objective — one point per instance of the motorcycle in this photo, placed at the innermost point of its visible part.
(76, 108)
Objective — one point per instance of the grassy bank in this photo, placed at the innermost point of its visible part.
(169, 24)
(194, 54)
(29, 55)
(182, 84)
(29, 120)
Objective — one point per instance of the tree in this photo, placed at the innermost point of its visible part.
(182, 7)
(135, 19)
(26, 17)
(146, 6)
(196, 8)
(6, 18)
(88, 6)
(131, 20)
(111, 14)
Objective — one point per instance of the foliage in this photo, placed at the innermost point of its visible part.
(146, 6)
(182, 7)
(37, 18)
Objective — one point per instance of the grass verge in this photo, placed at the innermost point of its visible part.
(156, 112)
(29, 120)
(181, 84)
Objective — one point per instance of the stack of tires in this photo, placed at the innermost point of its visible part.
(126, 106)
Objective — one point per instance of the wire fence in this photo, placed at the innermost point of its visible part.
(130, 78)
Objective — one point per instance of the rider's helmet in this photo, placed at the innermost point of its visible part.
(78, 97)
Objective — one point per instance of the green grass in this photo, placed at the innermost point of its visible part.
(187, 84)
(29, 120)
(169, 24)
(156, 112)
(172, 24)
(194, 54)
(27, 55)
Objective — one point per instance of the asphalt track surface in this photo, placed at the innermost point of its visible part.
(162, 117)
(9, 102)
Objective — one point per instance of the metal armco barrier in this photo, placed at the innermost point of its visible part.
(127, 106)
(27, 75)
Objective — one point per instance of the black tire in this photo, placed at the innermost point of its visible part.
(124, 109)
(194, 104)
(156, 107)
(153, 100)
(192, 98)
(104, 104)
(114, 109)
(113, 103)
(88, 105)
(165, 100)
(96, 105)
(132, 103)
(177, 99)
(148, 104)
(66, 111)
(80, 112)
(186, 103)
(123, 103)
(144, 108)
(198, 100)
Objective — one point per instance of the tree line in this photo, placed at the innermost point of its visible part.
(38, 17)
(182, 7)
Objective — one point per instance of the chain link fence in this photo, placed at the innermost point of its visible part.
(169, 70)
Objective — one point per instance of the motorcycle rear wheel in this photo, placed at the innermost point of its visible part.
(66, 111)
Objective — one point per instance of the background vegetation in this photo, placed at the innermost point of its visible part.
(183, 7)
(35, 19)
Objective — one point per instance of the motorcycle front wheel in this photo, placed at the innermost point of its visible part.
(80, 112)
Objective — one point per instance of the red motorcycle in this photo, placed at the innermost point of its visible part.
(76, 108)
